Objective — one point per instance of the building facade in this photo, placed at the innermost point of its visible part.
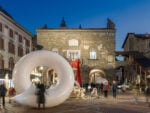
(94, 47)
(137, 42)
(137, 50)
(15, 42)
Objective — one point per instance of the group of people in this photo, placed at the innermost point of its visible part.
(40, 92)
(104, 88)
(3, 92)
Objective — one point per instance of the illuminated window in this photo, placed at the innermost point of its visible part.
(73, 42)
(92, 54)
(73, 54)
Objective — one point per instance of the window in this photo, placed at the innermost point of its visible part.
(11, 48)
(20, 38)
(27, 43)
(11, 33)
(73, 54)
(1, 43)
(92, 54)
(11, 63)
(1, 62)
(27, 50)
(73, 42)
(20, 51)
(149, 45)
(1, 27)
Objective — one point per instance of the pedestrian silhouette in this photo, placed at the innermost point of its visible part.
(114, 89)
(3, 92)
(106, 88)
(40, 95)
(147, 92)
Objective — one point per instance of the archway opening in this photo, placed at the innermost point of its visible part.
(44, 75)
(97, 76)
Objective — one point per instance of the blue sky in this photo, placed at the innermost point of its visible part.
(128, 15)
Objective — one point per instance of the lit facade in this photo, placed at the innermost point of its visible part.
(15, 42)
(95, 47)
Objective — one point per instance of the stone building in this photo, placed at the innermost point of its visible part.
(94, 47)
(15, 42)
(137, 53)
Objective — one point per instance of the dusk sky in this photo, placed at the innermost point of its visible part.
(128, 15)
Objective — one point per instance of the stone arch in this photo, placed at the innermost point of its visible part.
(97, 76)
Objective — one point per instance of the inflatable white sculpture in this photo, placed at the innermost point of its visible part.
(26, 90)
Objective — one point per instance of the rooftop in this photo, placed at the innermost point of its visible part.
(5, 12)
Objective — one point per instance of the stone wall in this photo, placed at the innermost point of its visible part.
(84, 40)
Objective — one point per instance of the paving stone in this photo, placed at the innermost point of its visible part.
(124, 103)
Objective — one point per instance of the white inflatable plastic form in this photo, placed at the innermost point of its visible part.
(26, 90)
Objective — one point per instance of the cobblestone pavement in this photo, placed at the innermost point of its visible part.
(124, 103)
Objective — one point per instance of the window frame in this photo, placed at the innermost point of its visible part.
(92, 54)
(1, 27)
(11, 47)
(2, 43)
(11, 33)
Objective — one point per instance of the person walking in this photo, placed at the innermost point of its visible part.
(114, 89)
(106, 87)
(101, 88)
(41, 95)
(147, 92)
(136, 93)
(3, 92)
(11, 93)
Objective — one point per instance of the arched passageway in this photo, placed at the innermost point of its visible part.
(97, 76)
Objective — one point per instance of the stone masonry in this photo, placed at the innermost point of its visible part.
(101, 41)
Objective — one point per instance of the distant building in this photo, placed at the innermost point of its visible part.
(137, 42)
(15, 42)
(94, 47)
(137, 52)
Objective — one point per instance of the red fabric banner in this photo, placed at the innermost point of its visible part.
(76, 64)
